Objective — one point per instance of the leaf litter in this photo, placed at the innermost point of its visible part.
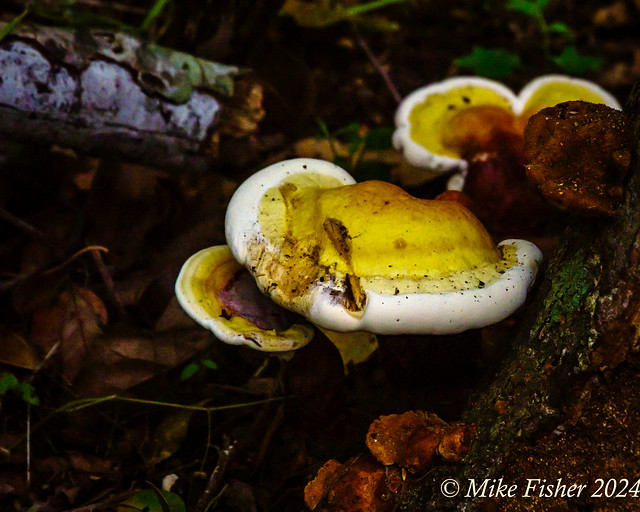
(89, 251)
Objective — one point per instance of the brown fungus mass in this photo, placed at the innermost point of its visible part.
(417, 440)
(359, 485)
(578, 153)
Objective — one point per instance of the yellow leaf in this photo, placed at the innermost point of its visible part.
(354, 347)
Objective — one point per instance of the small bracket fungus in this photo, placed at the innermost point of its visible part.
(220, 295)
(439, 124)
(368, 256)
(579, 153)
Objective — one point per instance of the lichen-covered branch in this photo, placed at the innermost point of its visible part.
(110, 94)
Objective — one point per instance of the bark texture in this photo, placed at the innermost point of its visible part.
(550, 410)
(110, 94)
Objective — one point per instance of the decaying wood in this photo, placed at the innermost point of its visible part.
(110, 94)
(574, 357)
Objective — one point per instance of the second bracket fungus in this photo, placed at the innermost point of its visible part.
(439, 124)
(368, 256)
(475, 127)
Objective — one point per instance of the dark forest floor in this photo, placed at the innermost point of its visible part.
(79, 322)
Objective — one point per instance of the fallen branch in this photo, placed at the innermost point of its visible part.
(111, 95)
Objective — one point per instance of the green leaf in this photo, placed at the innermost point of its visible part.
(354, 145)
(208, 363)
(9, 382)
(378, 138)
(573, 63)
(9, 27)
(528, 7)
(491, 63)
(153, 13)
(28, 393)
(341, 161)
(560, 28)
(189, 371)
(192, 368)
(148, 501)
(349, 130)
(372, 170)
(324, 129)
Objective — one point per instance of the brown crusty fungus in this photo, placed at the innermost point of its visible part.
(578, 153)
(358, 485)
(416, 441)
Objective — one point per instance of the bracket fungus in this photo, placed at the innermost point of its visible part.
(219, 294)
(369, 257)
(475, 127)
(438, 124)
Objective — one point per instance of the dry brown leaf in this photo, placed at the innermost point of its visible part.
(168, 436)
(73, 322)
(123, 360)
(90, 463)
(15, 351)
(174, 317)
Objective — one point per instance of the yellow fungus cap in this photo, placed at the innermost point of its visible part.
(369, 256)
(435, 121)
(200, 289)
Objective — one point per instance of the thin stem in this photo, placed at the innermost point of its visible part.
(9, 27)
(19, 223)
(215, 479)
(78, 405)
(376, 64)
(108, 282)
(153, 13)
(370, 6)
(89, 248)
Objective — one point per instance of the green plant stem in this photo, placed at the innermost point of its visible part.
(8, 28)
(78, 405)
(370, 6)
(153, 13)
